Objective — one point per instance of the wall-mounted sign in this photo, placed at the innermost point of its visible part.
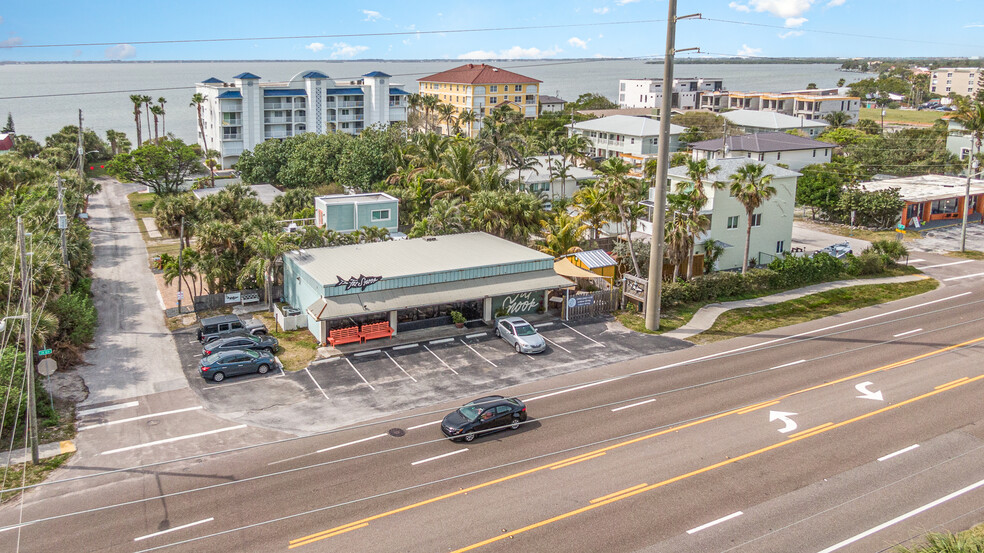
(634, 287)
(586, 299)
(361, 282)
(233, 297)
(518, 304)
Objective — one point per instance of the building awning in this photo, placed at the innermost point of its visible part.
(565, 268)
(434, 294)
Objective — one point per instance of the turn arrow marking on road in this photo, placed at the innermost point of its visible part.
(784, 417)
(865, 394)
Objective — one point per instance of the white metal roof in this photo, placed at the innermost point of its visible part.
(543, 171)
(595, 259)
(728, 166)
(924, 188)
(769, 120)
(626, 124)
(369, 197)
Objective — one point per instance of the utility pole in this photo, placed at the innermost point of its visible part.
(81, 150)
(62, 221)
(654, 290)
(28, 305)
(181, 235)
(971, 169)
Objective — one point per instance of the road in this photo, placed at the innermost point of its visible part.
(848, 434)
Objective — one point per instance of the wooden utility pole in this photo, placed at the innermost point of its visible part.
(81, 148)
(27, 307)
(181, 235)
(62, 222)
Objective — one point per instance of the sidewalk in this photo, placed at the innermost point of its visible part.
(45, 451)
(705, 317)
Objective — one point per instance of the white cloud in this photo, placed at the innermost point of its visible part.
(120, 52)
(624, 2)
(601, 11)
(11, 42)
(974, 26)
(372, 15)
(343, 50)
(779, 8)
(796, 21)
(747, 50)
(578, 43)
(516, 52)
(835, 3)
(601, 35)
(739, 7)
(788, 34)
(315, 47)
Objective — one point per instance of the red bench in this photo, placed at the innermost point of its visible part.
(376, 330)
(344, 335)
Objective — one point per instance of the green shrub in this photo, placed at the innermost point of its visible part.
(868, 263)
(889, 250)
(76, 315)
(792, 271)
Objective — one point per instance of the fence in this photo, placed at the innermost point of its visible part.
(216, 301)
(289, 318)
(589, 304)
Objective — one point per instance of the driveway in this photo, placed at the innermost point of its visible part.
(133, 353)
(811, 238)
(947, 239)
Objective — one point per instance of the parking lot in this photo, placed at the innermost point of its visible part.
(396, 377)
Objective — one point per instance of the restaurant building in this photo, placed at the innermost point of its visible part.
(933, 199)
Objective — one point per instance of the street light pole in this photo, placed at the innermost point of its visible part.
(28, 305)
(971, 169)
(181, 234)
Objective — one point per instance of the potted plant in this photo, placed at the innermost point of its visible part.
(458, 319)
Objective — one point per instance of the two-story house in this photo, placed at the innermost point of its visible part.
(648, 93)
(751, 121)
(636, 139)
(795, 152)
(238, 115)
(810, 104)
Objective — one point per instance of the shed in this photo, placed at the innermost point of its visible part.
(596, 261)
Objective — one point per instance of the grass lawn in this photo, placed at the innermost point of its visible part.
(740, 322)
(142, 204)
(297, 348)
(669, 319)
(35, 474)
(909, 116)
(967, 254)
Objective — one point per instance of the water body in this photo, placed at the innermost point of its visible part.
(23, 86)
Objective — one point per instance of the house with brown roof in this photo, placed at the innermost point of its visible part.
(480, 88)
(6, 142)
(779, 148)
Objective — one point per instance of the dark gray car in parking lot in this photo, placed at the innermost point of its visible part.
(220, 326)
(261, 342)
(218, 366)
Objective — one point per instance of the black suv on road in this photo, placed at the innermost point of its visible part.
(484, 416)
(211, 328)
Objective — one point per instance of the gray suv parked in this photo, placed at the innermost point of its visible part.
(221, 326)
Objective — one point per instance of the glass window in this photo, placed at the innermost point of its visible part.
(779, 246)
(757, 220)
(380, 214)
(494, 88)
(493, 99)
(518, 99)
(733, 221)
(502, 409)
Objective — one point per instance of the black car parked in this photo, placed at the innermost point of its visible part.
(261, 342)
(483, 416)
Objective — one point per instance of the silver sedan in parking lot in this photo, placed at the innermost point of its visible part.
(520, 334)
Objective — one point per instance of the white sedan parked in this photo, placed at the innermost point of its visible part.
(520, 334)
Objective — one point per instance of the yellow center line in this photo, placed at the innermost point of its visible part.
(349, 529)
(800, 433)
(757, 406)
(595, 456)
(618, 493)
(951, 383)
(509, 535)
(327, 533)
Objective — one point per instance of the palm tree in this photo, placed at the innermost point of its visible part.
(676, 232)
(414, 102)
(113, 137)
(560, 173)
(160, 102)
(171, 209)
(459, 174)
(445, 217)
(498, 143)
(751, 187)
(197, 100)
(158, 111)
(590, 204)
(837, 119)
(267, 249)
(429, 102)
(137, 102)
(562, 234)
(468, 117)
(619, 190)
(524, 161)
(697, 171)
(146, 102)
(445, 114)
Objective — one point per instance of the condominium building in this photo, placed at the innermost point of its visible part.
(808, 104)
(648, 93)
(240, 114)
(965, 81)
(480, 88)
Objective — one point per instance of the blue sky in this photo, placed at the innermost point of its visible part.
(792, 28)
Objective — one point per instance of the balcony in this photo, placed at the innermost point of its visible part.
(351, 104)
(278, 120)
(237, 122)
(351, 117)
(300, 119)
(277, 134)
(277, 105)
(232, 136)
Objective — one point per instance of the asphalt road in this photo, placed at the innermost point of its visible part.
(852, 434)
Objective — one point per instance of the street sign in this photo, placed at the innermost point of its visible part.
(44, 352)
(47, 366)
(181, 296)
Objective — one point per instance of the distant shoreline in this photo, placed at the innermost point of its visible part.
(679, 61)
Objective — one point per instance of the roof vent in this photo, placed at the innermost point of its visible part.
(496, 69)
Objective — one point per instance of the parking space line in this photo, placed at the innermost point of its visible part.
(541, 325)
(361, 353)
(423, 425)
(947, 264)
(316, 383)
(194, 342)
(254, 378)
(94, 410)
(633, 405)
(479, 354)
(399, 367)
(182, 527)
(405, 346)
(175, 439)
(441, 341)
(441, 360)
(582, 334)
(556, 344)
(352, 443)
(197, 355)
(477, 335)
(963, 277)
(455, 452)
(360, 374)
(141, 417)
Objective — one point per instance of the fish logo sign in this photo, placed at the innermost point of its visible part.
(362, 282)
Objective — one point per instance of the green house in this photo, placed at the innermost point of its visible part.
(350, 212)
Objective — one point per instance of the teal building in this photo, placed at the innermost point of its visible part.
(349, 212)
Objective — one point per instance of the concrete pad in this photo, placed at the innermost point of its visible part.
(151, 225)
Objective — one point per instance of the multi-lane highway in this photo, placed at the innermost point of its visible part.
(851, 434)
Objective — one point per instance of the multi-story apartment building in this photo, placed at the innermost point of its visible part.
(635, 139)
(240, 114)
(648, 93)
(965, 81)
(794, 152)
(481, 87)
(808, 104)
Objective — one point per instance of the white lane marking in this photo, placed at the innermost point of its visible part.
(477, 335)
(441, 341)
(360, 374)
(197, 355)
(713, 522)
(900, 518)
(320, 389)
(455, 452)
(947, 264)
(633, 405)
(962, 277)
(541, 325)
(571, 389)
(400, 367)
(423, 425)
(352, 443)
(906, 332)
(282, 373)
(441, 360)
(94, 410)
(556, 344)
(175, 439)
(141, 417)
(899, 452)
(241, 380)
(582, 334)
(370, 352)
(479, 354)
(405, 346)
(801, 334)
(169, 530)
(916, 260)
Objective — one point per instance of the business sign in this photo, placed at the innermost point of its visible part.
(634, 287)
(234, 297)
(518, 304)
(583, 300)
(362, 281)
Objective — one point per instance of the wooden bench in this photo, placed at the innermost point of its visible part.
(376, 330)
(345, 335)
